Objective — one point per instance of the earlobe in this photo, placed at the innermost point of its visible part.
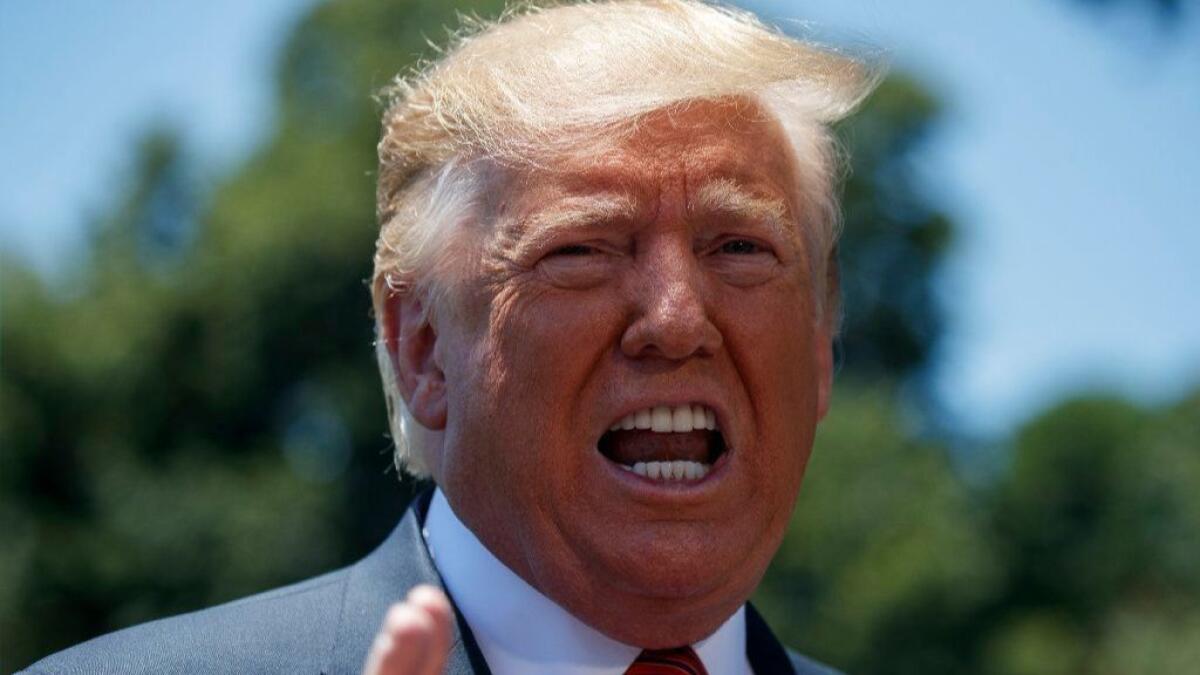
(411, 343)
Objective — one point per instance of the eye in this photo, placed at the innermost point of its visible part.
(578, 266)
(744, 261)
(741, 247)
(573, 250)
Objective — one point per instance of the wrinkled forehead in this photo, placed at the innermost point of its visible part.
(730, 157)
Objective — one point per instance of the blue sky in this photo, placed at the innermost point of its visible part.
(1069, 156)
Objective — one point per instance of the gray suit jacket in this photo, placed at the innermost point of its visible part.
(323, 626)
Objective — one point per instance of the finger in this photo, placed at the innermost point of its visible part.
(403, 645)
(434, 601)
(436, 606)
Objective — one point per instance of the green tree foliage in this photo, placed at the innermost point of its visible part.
(192, 414)
(894, 238)
(1097, 524)
(885, 561)
(1080, 558)
(195, 415)
(140, 477)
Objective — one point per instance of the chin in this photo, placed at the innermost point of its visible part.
(674, 590)
(662, 621)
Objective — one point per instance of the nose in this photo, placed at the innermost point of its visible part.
(672, 317)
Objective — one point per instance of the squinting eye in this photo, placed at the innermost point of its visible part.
(577, 266)
(740, 247)
(573, 250)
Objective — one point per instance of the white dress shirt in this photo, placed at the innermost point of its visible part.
(522, 632)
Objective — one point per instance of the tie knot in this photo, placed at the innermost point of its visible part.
(677, 661)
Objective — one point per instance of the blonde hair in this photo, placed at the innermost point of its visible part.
(545, 80)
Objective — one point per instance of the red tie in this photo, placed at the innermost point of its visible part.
(678, 661)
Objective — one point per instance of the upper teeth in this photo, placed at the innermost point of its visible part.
(668, 419)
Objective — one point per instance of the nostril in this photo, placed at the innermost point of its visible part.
(671, 334)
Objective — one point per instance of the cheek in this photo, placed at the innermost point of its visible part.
(771, 338)
(528, 379)
(556, 338)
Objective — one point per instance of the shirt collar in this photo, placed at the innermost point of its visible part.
(519, 630)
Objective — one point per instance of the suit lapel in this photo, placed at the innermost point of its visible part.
(764, 651)
(384, 577)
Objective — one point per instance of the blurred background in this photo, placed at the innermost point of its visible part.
(1008, 483)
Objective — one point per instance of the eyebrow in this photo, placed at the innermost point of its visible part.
(724, 196)
(580, 211)
(572, 213)
(718, 196)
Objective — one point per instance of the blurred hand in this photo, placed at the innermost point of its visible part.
(415, 636)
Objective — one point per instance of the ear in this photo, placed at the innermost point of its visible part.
(411, 342)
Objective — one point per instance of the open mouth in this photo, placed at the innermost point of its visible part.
(666, 443)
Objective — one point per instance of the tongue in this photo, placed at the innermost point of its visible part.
(639, 445)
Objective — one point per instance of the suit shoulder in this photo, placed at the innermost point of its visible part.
(286, 630)
(806, 666)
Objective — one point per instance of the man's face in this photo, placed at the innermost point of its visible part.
(668, 271)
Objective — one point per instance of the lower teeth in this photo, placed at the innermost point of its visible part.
(676, 470)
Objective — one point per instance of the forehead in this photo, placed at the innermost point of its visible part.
(731, 151)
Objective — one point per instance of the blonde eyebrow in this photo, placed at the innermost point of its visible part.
(726, 196)
(575, 212)
(571, 213)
